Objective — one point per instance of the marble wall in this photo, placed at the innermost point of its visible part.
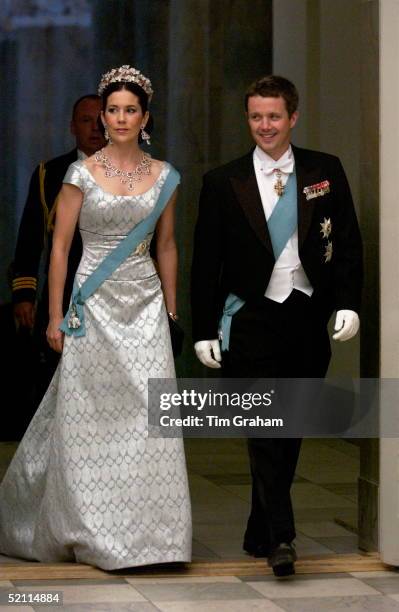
(215, 50)
(330, 49)
(201, 55)
(44, 70)
(8, 167)
(389, 232)
(326, 70)
(371, 216)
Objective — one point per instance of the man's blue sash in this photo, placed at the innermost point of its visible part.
(73, 323)
(282, 224)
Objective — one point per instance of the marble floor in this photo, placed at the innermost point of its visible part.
(324, 495)
(352, 592)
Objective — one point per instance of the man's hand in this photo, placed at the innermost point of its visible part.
(24, 313)
(208, 352)
(346, 325)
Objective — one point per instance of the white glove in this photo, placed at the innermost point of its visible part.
(208, 352)
(346, 325)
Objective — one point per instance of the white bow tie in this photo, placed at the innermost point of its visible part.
(286, 166)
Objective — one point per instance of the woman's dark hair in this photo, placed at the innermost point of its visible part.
(134, 89)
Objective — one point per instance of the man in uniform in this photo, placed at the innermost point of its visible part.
(277, 250)
(35, 236)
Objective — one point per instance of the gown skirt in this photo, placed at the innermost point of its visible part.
(87, 483)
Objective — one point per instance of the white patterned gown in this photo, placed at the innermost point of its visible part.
(87, 484)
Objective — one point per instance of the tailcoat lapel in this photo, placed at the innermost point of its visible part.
(246, 189)
(306, 174)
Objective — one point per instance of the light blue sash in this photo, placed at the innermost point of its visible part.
(73, 323)
(284, 218)
(232, 305)
(281, 224)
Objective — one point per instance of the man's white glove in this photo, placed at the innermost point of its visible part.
(208, 352)
(346, 325)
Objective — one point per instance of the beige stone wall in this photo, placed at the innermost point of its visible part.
(331, 50)
(317, 44)
(389, 233)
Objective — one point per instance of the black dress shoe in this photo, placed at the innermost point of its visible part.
(282, 560)
(256, 550)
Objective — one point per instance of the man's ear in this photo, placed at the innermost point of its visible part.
(294, 118)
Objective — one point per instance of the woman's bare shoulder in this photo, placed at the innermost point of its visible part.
(157, 164)
(91, 163)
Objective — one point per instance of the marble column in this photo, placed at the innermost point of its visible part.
(370, 353)
(215, 50)
(201, 55)
(8, 169)
(135, 32)
(388, 272)
(113, 34)
(337, 77)
(151, 56)
(47, 68)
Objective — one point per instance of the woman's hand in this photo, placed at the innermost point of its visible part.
(55, 337)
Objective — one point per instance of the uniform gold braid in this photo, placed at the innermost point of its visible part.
(48, 215)
(24, 282)
(42, 174)
(50, 220)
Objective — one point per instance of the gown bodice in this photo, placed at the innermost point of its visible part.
(105, 219)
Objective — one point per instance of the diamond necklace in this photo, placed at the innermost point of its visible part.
(136, 175)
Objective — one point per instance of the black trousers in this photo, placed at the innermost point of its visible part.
(272, 340)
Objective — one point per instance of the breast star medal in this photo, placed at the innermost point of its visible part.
(328, 252)
(326, 228)
(278, 185)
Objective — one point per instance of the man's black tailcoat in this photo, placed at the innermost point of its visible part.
(35, 240)
(233, 251)
(233, 254)
(36, 230)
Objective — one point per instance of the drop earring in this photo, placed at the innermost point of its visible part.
(107, 136)
(145, 136)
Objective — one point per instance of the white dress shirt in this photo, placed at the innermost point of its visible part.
(288, 273)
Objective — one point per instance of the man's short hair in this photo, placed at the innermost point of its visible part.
(273, 86)
(91, 96)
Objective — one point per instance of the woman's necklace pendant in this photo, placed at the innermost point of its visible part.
(130, 177)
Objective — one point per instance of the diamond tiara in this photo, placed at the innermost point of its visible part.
(125, 74)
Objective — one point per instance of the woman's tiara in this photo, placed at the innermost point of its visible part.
(125, 74)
